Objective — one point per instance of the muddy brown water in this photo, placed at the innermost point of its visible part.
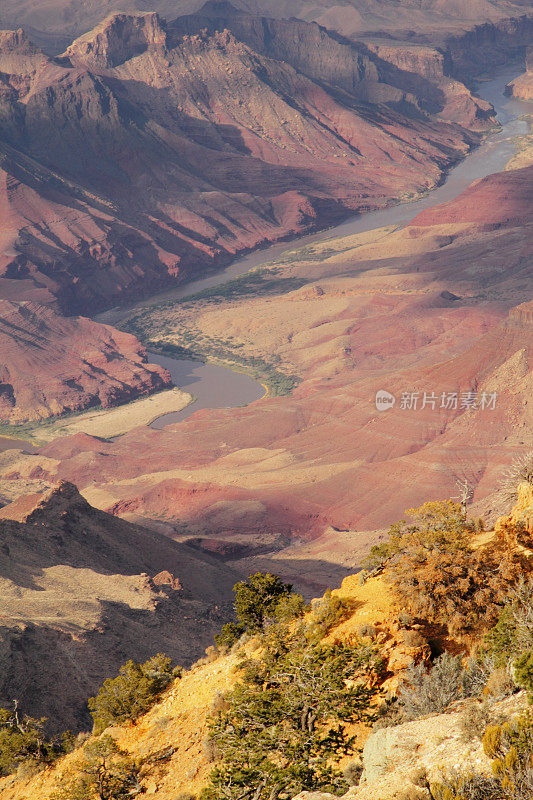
(211, 385)
(7, 443)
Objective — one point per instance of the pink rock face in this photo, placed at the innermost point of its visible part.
(50, 365)
(151, 150)
(501, 199)
(426, 309)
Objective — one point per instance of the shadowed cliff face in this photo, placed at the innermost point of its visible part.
(82, 592)
(152, 151)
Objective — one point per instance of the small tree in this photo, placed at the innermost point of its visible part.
(282, 730)
(132, 693)
(439, 576)
(256, 599)
(465, 494)
(22, 741)
(261, 598)
(105, 773)
(21, 738)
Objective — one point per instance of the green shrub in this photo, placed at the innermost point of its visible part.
(329, 611)
(131, 693)
(523, 672)
(466, 786)
(512, 635)
(230, 633)
(288, 607)
(511, 748)
(105, 773)
(510, 641)
(282, 730)
(433, 691)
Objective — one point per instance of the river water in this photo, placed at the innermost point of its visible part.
(217, 387)
(491, 156)
(211, 385)
(7, 443)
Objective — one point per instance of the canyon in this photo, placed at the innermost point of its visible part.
(82, 592)
(152, 151)
(123, 171)
(148, 153)
(424, 310)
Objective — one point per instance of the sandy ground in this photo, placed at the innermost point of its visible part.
(110, 422)
(524, 150)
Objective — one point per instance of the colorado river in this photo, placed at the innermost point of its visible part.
(211, 385)
(218, 387)
(8, 443)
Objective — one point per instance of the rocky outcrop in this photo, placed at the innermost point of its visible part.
(81, 592)
(522, 315)
(119, 38)
(405, 760)
(522, 512)
(522, 87)
(18, 54)
(431, 746)
(423, 72)
(51, 365)
(490, 45)
(401, 76)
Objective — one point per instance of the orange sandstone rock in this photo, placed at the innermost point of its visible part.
(522, 511)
